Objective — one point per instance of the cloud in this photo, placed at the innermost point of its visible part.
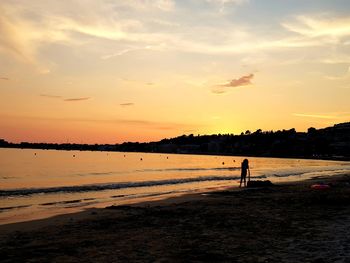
(320, 26)
(23, 35)
(165, 23)
(222, 3)
(50, 96)
(126, 25)
(4, 78)
(343, 76)
(338, 115)
(77, 99)
(145, 124)
(127, 104)
(242, 81)
(228, 1)
(218, 90)
(343, 59)
(110, 29)
(165, 5)
(315, 116)
(125, 51)
(147, 5)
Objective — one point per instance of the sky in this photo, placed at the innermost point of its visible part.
(108, 71)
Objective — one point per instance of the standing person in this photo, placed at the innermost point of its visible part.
(244, 169)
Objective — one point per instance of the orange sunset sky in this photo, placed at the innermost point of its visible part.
(106, 71)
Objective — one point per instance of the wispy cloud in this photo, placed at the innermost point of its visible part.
(228, 1)
(336, 59)
(23, 35)
(127, 104)
(145, 124)
(315, 116)
(242, 81)
(218, 90)
(148, 5)
(222, 3)
(77, 99)
(126, 51)
(165, 5)
(132, 30)
(320, 26)
(343, 76)
(113, 29)
(336, 115)
(50, 96)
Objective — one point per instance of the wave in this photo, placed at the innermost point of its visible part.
(13, 207)
(113, 186)
(306, 171)
(72, 203)
(97, 173)
(288, 174)
(190, 169)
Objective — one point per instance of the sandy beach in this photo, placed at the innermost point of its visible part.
(283, 223)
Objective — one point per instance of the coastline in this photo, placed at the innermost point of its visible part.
(288, 222)
(321, 158)
(281, 144)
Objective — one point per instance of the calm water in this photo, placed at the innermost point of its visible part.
(41, 183)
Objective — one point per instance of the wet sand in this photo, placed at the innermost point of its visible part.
(283, 223)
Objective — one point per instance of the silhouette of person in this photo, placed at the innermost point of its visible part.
(244, 169)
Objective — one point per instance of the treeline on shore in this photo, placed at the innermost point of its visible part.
(328, 143)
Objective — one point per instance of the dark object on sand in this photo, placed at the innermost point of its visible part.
(259, 183)
(320, 186)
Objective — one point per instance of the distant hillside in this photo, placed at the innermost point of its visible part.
(329, 143)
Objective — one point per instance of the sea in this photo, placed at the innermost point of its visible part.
(37, 184)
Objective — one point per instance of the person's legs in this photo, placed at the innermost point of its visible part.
(243, 178)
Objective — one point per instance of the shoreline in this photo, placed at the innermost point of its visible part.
(157, 201)
(288, 222)
(84, 213)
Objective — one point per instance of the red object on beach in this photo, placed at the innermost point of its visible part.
(320, 186)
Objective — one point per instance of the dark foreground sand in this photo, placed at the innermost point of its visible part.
(284, 223)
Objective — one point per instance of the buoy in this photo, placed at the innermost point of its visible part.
(223, 163)
(73, 155)
(140, 159)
